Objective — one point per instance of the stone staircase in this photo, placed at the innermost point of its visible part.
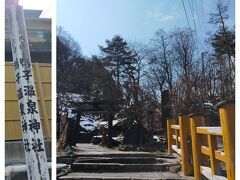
(119, 166)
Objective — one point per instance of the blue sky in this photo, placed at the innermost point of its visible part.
(91, 22)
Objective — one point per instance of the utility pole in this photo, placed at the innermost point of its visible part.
(33, 141)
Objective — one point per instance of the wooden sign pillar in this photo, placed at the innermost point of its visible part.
(33, 141)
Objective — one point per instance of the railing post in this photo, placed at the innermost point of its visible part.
(185, 152)
(214, 163)
(227, 120)
(196, 120)
(170, 121)
(177, 135)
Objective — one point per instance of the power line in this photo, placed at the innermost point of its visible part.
(193, 14)
(190, 6)
(202, 11)
(200, 27)
(201, 32)
(186, 15)
(197, 14)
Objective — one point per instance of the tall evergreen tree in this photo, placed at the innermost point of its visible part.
(223, 43)
(118, 58)
(223, 40)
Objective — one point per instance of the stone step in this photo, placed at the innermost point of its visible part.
(65, 160)
(123, 176)
(145, 157)
(117, 167)
(165, 155)
(122, 160)
(130, 154)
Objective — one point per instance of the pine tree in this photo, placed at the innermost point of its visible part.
(223, 43)
(223, 40)
(118, 58)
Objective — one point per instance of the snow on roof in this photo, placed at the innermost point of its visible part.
(208, 104)
(105, 123)
(88, 122)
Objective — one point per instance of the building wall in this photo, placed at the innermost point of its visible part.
(42, 76)
(39, 39)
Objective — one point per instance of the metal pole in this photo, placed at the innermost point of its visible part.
(33, 141)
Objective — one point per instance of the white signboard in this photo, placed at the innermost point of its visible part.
(33, 141)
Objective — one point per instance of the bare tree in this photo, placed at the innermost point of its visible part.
(183, 49)
(160, 61)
